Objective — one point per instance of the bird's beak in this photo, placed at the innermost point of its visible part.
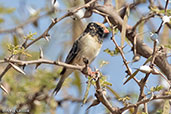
(106, 30)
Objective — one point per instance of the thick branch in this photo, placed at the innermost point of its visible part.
(43, 61)
(102, 98)
(45, 33)
(142, 48)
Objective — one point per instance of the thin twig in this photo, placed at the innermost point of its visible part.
(121, 52)
(142, 48)
(141, 95)
(150, 15)
(70, 13)
(145, 101)
(154, 53)
(30, 20)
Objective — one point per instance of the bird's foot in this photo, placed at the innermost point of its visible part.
(92, 73)
(87, 71)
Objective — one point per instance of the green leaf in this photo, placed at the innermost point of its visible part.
(141, 30)
(108, 51)
(30, 36)
(17, 49)
(159, 111)
(144, 113)
(167, 46)
(87, 90)
(77, 81)
(15, 40)
(157, 88)
(102, 63)
(158, 11)
(113, 92)
(4, 10)
(124, 99)
(1, 20)
(123, 32)
(103, 81)
(111, 52)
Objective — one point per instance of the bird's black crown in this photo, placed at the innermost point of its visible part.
(95, 29)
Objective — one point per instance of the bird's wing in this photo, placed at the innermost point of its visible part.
(72, 54)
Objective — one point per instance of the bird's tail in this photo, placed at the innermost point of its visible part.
(61, 81)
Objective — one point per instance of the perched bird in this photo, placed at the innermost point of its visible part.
(87, 46)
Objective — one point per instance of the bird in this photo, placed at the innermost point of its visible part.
(87, 46)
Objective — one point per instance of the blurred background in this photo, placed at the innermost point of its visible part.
(44, 79)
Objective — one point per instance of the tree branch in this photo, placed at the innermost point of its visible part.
(142, 48)
(42, 61)
(144, 101)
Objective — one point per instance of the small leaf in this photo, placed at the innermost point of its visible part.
(87, 90)
(14, 50)
(77, 82)
(30, 36)
(102, 63)
(167, 46)
(4, 10)
(124, 99)
(144, 113)
(123, 32)
(1, 20)
(17, 68)
(15, 40)
(113, 92)
(157, 88)
(105, 83)
(111, 52)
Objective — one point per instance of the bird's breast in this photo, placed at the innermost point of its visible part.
(90, 48)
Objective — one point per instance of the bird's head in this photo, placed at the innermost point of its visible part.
(95, 28)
